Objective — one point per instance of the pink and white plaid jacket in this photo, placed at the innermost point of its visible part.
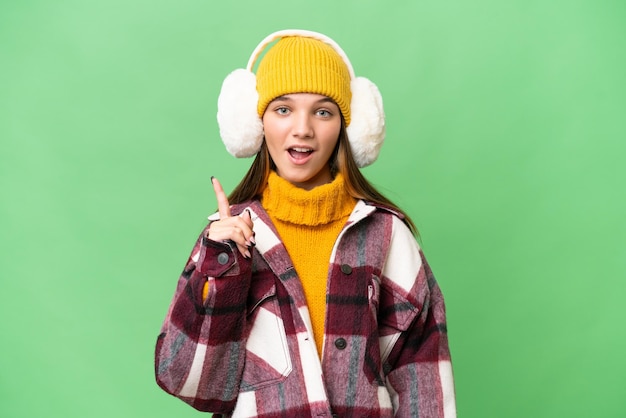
(248, 351)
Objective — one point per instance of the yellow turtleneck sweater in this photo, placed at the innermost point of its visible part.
(308, 223)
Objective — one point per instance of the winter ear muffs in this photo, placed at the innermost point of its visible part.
(241, 127)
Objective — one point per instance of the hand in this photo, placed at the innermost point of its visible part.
(235, 228)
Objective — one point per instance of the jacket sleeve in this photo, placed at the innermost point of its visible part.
(417, 358)
(200, 351)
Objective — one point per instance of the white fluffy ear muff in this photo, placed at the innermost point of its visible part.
(241, 128)
(366, 131)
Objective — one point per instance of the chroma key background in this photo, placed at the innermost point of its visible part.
(506, 138)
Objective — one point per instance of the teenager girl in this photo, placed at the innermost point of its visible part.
(307, 294)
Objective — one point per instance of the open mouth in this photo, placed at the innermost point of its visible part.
(299, 153)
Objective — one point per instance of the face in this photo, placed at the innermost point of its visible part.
(301, 132)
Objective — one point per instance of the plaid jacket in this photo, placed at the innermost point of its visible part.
(248, 351)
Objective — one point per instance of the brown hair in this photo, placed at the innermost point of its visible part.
(253, 183)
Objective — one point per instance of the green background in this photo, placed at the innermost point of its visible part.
(506, 140)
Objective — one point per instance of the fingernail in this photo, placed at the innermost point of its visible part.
(247, 254)
(212, 179)
(252, 241)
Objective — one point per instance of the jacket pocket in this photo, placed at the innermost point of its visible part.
(268, 360)
(395, 315)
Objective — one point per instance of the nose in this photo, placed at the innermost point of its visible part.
(302, 125)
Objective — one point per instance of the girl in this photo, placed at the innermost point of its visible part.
(306, 295)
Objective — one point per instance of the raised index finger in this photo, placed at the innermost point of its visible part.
(222, 201)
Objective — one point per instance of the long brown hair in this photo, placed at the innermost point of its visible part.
(341, 160)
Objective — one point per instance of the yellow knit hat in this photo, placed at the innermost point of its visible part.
(297, 64)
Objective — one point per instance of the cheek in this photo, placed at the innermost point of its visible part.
(272, 147)
(273, 129)
(270, 135)
(273, 143)
(331, 136)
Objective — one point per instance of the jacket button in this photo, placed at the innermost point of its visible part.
(340, 343)
(222, 258)
(346, 269)
(386, 368)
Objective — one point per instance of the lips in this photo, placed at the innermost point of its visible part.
(298, 153)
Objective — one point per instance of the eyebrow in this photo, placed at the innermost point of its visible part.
(289, 99)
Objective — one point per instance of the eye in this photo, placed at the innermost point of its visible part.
(325, 113)
(282, 110)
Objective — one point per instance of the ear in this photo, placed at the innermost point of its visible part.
(241, 128)
(366, 131)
